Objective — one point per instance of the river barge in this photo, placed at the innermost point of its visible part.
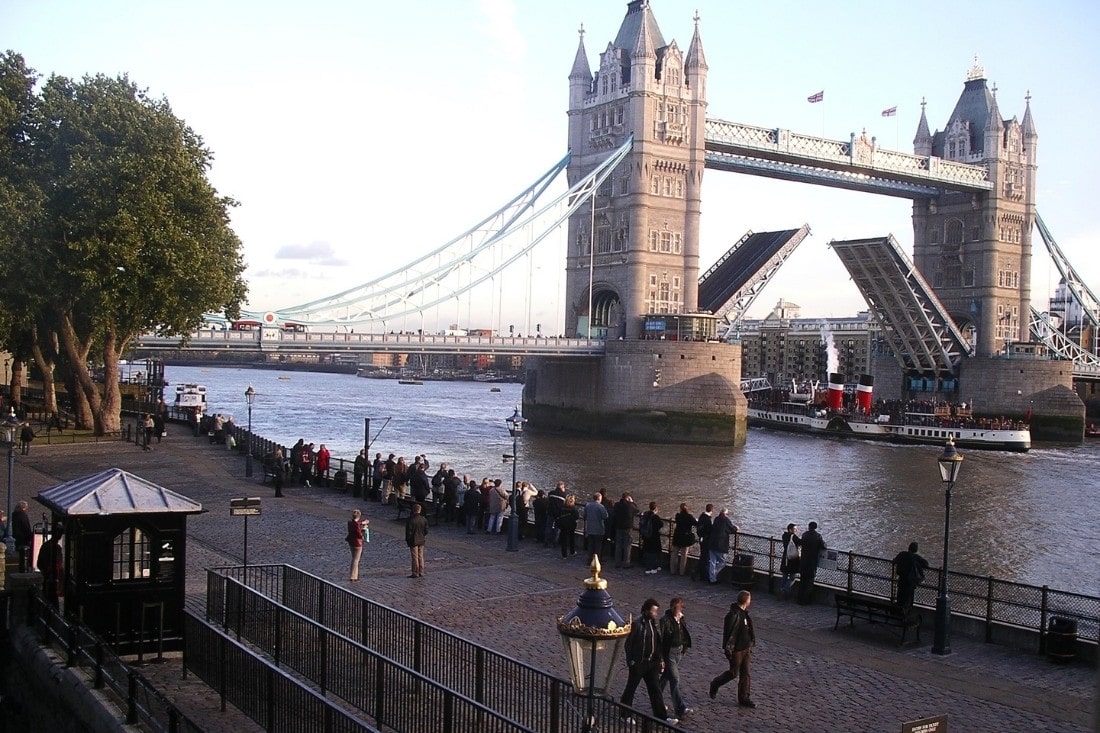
(929, 425)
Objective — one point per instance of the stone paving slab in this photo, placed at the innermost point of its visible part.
(806, 676)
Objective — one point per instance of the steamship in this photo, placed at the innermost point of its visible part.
(798, 412)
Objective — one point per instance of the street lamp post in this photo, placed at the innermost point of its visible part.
(515, 428)
(249, 397)
(950, 461)
(593, 634)
(10, 425)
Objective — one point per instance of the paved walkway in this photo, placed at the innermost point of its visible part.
(806, 676)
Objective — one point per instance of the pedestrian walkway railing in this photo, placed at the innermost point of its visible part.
(990, 601)
(144, 705)
(258, 688)
(372, 656)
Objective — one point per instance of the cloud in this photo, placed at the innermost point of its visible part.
(315, 253)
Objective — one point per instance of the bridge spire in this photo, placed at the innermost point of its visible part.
(581, 70)
(922, 143)
(695, 59)
(1028, 124)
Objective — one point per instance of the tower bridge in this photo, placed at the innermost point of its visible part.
(640, 141)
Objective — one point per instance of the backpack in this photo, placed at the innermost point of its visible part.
(645, 525)
(916, 573)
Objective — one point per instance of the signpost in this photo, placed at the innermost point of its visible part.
(937, 724)
(249, 507)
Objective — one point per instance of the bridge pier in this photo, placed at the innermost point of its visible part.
(649, 391)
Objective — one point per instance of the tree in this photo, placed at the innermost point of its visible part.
(129, 236)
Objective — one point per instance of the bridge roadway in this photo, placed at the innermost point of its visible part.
(276, 341)
(806, 676)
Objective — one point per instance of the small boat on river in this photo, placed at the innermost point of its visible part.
(926, 425)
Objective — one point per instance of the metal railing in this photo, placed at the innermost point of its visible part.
(258, 688)
(337, 639)
(143, 704)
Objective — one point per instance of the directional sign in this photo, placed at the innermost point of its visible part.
(937, 724)
(249, 507)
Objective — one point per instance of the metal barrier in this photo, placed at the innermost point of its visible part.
(257, 688)
(144, 705)
(336, 638)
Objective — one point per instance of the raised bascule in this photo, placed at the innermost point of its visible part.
(640, 358)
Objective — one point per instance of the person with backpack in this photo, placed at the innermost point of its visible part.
(649, 532)
(718, 544)
(738, 639)
(909, 567)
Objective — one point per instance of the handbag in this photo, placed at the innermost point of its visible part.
(792, 551)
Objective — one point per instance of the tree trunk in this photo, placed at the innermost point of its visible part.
(15, 387)
(108, 415)
(46, 368)
(87, 388)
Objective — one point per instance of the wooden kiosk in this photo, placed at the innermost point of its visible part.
(124, 546)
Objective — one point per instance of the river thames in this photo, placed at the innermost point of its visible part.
(1032, 518)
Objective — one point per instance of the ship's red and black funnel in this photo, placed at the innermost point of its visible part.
(835, 399)
(863, 393)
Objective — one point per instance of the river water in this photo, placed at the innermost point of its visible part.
(1033, 518)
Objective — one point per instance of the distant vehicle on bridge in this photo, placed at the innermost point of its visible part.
(292, 327)
(244, 325)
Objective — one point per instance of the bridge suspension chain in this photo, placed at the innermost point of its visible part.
(464, 263)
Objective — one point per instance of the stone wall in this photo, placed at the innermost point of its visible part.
(653, 391)
(1010, 387)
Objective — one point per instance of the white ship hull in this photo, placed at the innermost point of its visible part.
(842, 426)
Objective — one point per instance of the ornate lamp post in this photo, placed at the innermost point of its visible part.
(515, 429)
(950, 462)
(8, 430)
(249, 397)
(593, 634)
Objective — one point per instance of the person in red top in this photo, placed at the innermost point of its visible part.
(355, 542)
(322, 463)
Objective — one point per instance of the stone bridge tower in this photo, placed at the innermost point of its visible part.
(975, 250)
(644, 221)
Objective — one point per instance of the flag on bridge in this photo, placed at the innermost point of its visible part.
(815, 98)
(890, 112)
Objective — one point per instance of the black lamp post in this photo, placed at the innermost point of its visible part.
(9, 426)
(250, 397)
(593, 634)
(515, 429)
(950, 462)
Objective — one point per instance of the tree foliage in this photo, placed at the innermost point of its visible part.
(122, 234)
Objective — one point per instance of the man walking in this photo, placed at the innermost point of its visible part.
(416, 530)
(675, 642)
(910, 567)
(812, 544)
(738, 639)
(23, 535)
(644, 661)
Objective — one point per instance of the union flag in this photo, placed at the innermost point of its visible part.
(890, 112)
(815, 98)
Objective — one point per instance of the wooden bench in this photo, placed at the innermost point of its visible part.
(404, 509)
(875, 610)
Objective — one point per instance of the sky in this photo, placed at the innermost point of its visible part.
(358, 134)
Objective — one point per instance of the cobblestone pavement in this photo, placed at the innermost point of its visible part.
(806, 676)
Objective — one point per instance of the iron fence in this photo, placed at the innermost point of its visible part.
(322, 631)
(143, 704)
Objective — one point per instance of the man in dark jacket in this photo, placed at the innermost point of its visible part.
(738, 639)
(644, 661)
(910, 567)
(625, 511)
(718, 544)
(675, 642)
(703, 523)
(416, 532)
(23, 535)
(812, 545)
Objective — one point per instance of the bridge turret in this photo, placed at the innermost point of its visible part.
(580, 77)
(994, 129)
(1031, 136)
(922, 142)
